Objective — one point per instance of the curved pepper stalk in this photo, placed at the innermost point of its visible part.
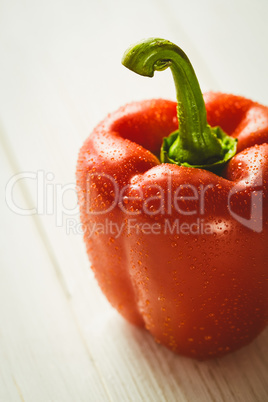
(195, 144)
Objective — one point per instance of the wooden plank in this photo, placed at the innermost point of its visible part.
(42, 355)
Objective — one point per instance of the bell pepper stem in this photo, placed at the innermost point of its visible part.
(195, 143)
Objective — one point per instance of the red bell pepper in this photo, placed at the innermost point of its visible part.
(178, 235)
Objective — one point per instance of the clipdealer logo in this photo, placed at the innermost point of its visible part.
(133, 226)
(50, 200)
(167, 200)
(255, 221)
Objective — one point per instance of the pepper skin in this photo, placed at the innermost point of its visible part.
(180, 250)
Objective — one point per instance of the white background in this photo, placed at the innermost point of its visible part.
(60, 74)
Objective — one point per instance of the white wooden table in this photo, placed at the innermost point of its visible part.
(60, 74)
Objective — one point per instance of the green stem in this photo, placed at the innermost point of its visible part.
(195, 143)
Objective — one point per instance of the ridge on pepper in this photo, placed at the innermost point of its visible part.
(174, 204)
